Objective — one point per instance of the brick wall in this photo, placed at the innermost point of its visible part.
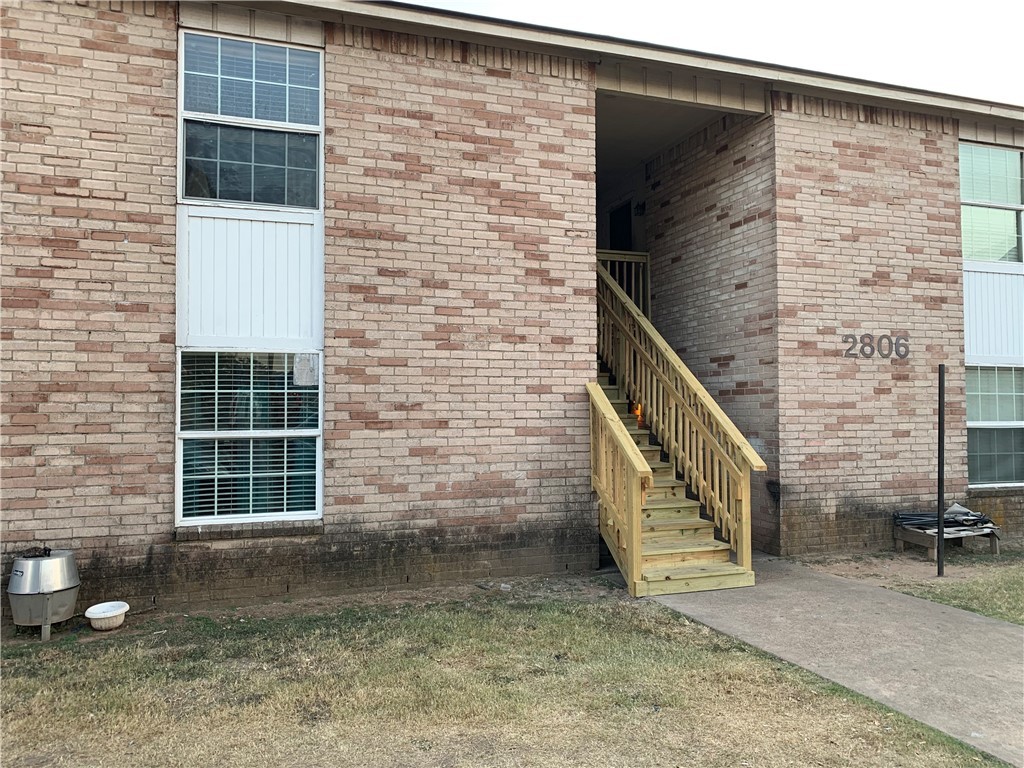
(868, 243)
(711, 235)
(459, 298)
(1004, 505)
(88, 276)
(772, 238)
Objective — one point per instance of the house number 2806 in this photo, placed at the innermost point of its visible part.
(869, 345)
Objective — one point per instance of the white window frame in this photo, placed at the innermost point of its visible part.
(244, 122)
(1008, 268)
(314, 216)
(1004, 267)
(180, 520)
(996, 425)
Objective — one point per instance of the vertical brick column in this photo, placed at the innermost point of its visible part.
(460, 322)
(868, 243)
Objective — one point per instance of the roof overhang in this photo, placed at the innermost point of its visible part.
(643, 62)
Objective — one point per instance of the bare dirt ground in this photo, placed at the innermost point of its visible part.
(604, 585)
(973, 578)
(886, 569)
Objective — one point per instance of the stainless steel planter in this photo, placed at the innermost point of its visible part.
(43, 589)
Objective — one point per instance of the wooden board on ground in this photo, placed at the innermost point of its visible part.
(929, 537)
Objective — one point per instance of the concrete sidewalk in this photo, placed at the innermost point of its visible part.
(956, 671)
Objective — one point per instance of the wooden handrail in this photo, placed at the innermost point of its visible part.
(753, 459)
(701, 442)
(621, 476)
(631, 272)
(607, 255)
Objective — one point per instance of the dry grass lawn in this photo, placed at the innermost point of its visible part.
(564, 672)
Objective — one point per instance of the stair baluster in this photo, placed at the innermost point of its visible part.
(702, 444)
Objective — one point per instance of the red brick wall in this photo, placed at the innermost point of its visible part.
(711, 235)
(772, 238)
(460, 312)
(88, 276)
(869, 242)
(460, 292)
(1004, 505)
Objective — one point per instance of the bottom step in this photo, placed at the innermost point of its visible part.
(676, 579)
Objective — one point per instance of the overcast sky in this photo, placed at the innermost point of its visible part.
(965, 50)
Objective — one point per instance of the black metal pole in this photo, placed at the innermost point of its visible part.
(940, 545)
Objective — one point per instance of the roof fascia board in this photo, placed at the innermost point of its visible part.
(409, 19)
(398, 19)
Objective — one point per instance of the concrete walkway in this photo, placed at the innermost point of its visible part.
(956, 671)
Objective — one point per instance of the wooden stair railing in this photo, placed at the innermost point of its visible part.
(701, 442)
(631, 272)
(621, 476)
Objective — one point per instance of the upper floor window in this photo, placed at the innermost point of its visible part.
(992, 193)
(252, 122)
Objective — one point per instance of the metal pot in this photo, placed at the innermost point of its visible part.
(43, 589)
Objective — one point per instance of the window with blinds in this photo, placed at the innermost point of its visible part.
(249, 435)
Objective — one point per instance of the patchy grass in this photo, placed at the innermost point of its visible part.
(973, 579)
(996, 591)
(561, 673)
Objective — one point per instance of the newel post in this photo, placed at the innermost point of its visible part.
(743, 553)
(634, 505)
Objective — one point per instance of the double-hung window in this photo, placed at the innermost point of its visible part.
(250, 435)
(992, 216)
(995, 425)
(993, 203)
(250, 252)
(251, 122)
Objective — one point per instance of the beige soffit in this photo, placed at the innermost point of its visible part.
(414, 19)
(237, 19)
(992, 132)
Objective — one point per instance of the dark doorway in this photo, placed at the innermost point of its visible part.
(620, 228)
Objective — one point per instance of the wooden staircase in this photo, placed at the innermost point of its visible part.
(678, 548)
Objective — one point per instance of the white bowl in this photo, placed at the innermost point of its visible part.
(107, 615)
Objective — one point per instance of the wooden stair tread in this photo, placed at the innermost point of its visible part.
(656, 504)
(682, 547)
(669, 480)
(692, 571)
(678, 549)
(678, 523)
